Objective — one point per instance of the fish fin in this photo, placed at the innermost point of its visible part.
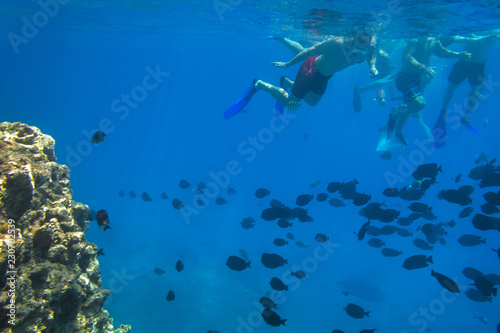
(367, 313)
(433, 273)
(282, 321)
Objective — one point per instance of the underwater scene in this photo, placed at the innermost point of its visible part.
(250, 166)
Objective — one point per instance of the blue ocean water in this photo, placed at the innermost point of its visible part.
(156, 77)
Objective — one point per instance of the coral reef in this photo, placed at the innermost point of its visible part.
(50, 271)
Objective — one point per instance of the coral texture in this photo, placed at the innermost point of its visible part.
(57, 281)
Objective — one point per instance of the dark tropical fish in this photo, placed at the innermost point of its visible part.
(321, 238)
(283, 223)
(466, 212)
(301, 244)
(132, 194)
(299, 213)
(315, 183)
(388, 215)
(273, 260)
(391, 192)
(455, 196)
(403, 232)
(348, 190)
(231, 191)
(333, 187)
(248, 223)
(121, 193)
(277, 284)
(493, 278)
(146, 197)
(441, 240)
(492, 198)
(179, 266)
(477, 296)
(429, 170)
(336, 202)
(419, 207)
(411, 194)
(164, 195)
(355, 311)
(376, 242)
(471, 240)
(270, 214)
(481, 171)
(236, 263)
(418, 261)
(184, 184)
(466, 189)
(481, 158)
(276, 204)
(220, 201)
(426, 184)
(290, 236)
(471, 273)
(492, 179)
(272, 318)
(374, 231)
(422, 244)
(485, 286)
(159, 271)
(200, 203)
(92, 215)
(388, 252)
(404, 221)
(446, 282)
(497, 251)
(103, 219)
(300, 274)
(303, 199)
(388, 230)
(321, 197)
(200, 188)
(361, 199)
(170, 296)
(98, 137)
(489, 208)
(362, 231)
(280, 242)
(483, 222)
(177, 204)
(458, 177)
(267, 303)
(261, 193)
(100, 252)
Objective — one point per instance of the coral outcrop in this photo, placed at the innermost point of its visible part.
(49, 275)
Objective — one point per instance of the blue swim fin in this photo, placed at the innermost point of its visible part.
(241, 103)
(470, 127)
(280, 108)
(439, 130)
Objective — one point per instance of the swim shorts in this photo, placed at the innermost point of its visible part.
(474, 71)
(309, 79)
(409, 85)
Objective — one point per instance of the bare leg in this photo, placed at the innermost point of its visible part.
(426, 128)
(290, 44)
(285, 82)
(278, 93)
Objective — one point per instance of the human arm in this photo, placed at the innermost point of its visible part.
(443, 52)
(409, 60)
(312, 51)
(371, 62)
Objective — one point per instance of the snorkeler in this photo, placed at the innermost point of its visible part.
(411, 80)
(320, 62)
(471, 69)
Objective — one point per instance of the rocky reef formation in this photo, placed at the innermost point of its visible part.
(54, 283)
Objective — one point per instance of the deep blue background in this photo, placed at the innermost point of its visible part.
(64, 81)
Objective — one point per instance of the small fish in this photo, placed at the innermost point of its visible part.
(388, 252)
(336, 202)
(292, 237)
(164, 195)
(304, 199)
(446, 282)
(121, 194)
(277, 284)
(376, 242)
(471, 240)
(481, 158)
(146, 197)
(170, 296)
(100, 252)
(237, 264)
(315, 183)
(300, 274)
(272, 318)
(301, 244)
(159, 271)
(273, 260)
(458, 177)
(417, 261)
(362, 231)
(179, 266)
(380, 99)
(200, 202)
(248, 223)
(103, 219)
(231, 191)
(132, 194)
(261, 193)
(267, 303)
(391, 192)
(280, 242)
(184, 184)
(98, 137)
(177, 204)
(322, 238)
(385, 155)
(321, 197)
(220, 201)
(480, 318)
(355, 311)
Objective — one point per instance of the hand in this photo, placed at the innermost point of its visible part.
(429, 71)
(279, 64)
(464, 55)
(373, 72)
